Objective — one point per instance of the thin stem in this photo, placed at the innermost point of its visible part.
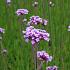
(34, 49)
(40, 63)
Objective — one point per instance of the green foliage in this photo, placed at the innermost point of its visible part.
(19, 53)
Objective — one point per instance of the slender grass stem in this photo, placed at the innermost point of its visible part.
(34, 50)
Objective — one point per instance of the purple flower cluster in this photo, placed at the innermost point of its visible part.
(37, 20)
(8, 1)
(21, 12)
(52, 68)
(2, 30)
(42, 55)
(35, 35)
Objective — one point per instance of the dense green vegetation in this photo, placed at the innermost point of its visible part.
(19, 53)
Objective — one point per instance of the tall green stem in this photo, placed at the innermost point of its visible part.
(34, 49)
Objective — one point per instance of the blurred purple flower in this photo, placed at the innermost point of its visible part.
(27, 40)
(51, 68)
(2, 30)
(21, 12)
(33, 42)
(45, 22)
(37, 20)
(42, 55)
(8, 1)
(35, 35)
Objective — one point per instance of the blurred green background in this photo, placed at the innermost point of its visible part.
(19, 53)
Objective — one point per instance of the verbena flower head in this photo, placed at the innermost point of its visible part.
(2, 30)
(35, 35)
(21, 12)
(45, 22)
(8, 1)
(35, 20)
(51, 68)
(43, 56)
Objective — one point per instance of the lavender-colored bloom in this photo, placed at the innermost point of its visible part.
(35, 20)
(8, 1)
(21, 12)
(45, 22)
(27, 40)
(33, 42)
(2, 30)
(51, 68)
(35, 35)
(37, 39)
(42, 55)
(47, 39)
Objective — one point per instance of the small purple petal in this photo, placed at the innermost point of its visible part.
(21, 12)
(33, 42)
(2, 30)
(42, 55)
(51, 68)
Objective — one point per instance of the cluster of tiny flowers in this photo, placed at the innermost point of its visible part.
(35, 35)
(42, 55)
(21, 12)
(8, 1)
(52, 68)
(37, 20)
(2, 30)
